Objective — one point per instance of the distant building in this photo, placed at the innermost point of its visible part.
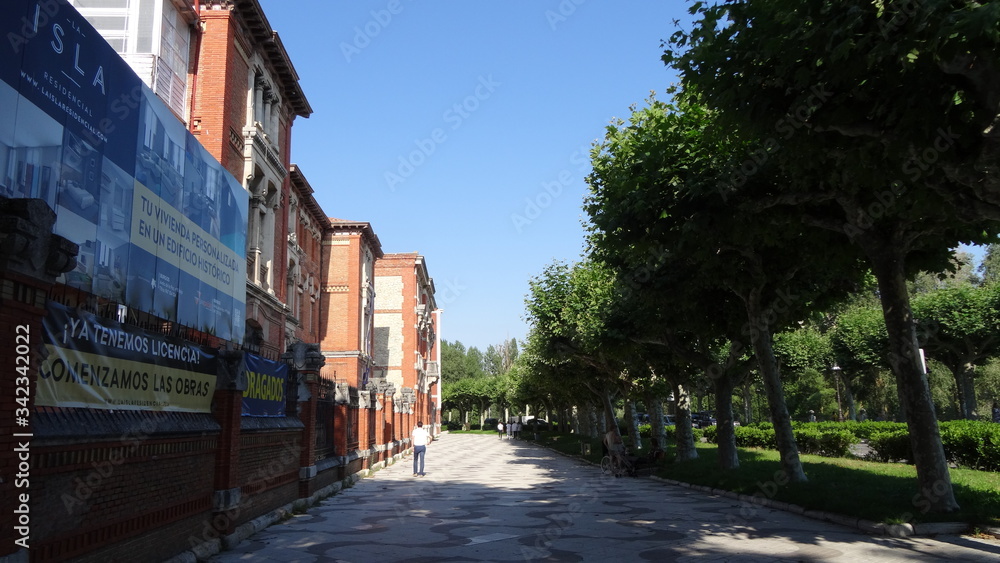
(406, 337)
(307, 225)
(350, 251)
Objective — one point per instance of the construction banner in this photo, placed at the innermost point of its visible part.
(102, 364)
(267, 383)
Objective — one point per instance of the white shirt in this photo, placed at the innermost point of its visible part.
(419, 436)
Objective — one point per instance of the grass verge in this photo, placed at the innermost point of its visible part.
(880, 492)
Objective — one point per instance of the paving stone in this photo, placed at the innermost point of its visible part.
(485, 499)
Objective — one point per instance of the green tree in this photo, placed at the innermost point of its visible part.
(654, 185)
(989, 269)
(885, 113)
(960, 327)
(806, 356)
(567, 309)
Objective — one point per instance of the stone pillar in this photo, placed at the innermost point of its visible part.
(31, 258)
(385, 391)
(305, 361)
(258, 100)
(266, 117)
(231, 383)
(341, 405)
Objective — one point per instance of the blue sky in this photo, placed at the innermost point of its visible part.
(461, 130)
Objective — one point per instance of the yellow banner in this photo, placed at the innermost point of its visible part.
(164, 232)
(72, 378)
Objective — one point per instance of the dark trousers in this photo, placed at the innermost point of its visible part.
(418, 459)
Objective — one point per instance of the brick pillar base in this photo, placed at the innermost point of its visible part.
(228, 408)
(305, 362)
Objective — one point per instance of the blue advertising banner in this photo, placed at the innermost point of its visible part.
(160, 223)
(267, 384)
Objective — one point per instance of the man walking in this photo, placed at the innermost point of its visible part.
(419, 439)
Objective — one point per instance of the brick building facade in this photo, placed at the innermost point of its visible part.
(131, 484)
(244, 97)
(407, 345)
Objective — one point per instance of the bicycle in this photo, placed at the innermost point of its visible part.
(616, 464)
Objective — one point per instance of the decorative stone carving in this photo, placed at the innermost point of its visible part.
(232, 371)
(27, 245)
(343, 394)
(304, 357)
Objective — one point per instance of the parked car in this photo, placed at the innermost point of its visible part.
(668, 420)
(537, 424)
(702, 419)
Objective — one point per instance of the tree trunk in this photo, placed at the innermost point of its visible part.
(933, 479)
(632, 419)
(965, 386)
(593, 430)
(728, 458)
(760, 336)
(682, 422)
(748, 401)
(658, 435)
(852, 409)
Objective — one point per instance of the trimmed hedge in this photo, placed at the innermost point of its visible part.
(973, 444)
(970, 444)
(809, 439)
(756, 437)
(892, 445)
(829, 443)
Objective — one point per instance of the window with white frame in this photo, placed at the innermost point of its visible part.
(152, 36)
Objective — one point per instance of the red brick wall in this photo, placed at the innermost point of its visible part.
(219, 104)
(96, 494)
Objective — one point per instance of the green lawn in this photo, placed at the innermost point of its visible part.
(881, 492)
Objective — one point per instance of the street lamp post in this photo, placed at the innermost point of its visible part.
(836, 384)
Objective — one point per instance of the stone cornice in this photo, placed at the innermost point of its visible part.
(271, 46)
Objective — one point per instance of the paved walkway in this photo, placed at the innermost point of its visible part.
(484, 499)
